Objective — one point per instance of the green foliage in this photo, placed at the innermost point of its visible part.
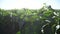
(34, 19)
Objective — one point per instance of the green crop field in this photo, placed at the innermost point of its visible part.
(29, 21)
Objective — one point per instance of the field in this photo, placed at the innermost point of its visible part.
(29, 21)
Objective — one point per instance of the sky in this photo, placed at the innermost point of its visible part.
(31, 4)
